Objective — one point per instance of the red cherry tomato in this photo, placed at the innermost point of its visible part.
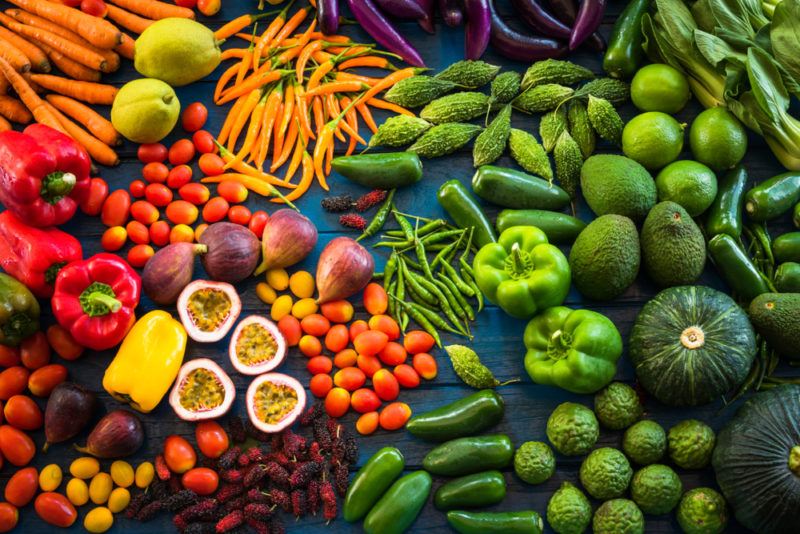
(159, 233)
(194, 193)
(137, 188)
(23, 413)
(139, 255)
(116, 208)
(239, 215)
(158, 195)
(155, 172)
(204, 142)
(215, 210)
(212, 440)
(178, 454)
(194, 116)
(138, 232)
(35, 351)
(201, 480)
(257, 222)
(55, 509)
(179, 176)
(209, 8)
(181, 151)
(13, 381)
(211, 164)
(43, 380)
(63, 343)
(9, 356)
(144, 212)
(92, 203)
(9, 516)
(22, 486)
(17, 447)
(95, 8)
(150, 152)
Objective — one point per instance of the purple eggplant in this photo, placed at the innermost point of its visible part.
(521, 47)
(378, 26)
(328, 16)
(540, 20)
(451, 12)
(590, 15)
(567, 11)
(426, 22)
(478, 29)
(401, 9)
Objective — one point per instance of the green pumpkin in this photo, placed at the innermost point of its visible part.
(691, 345)
(757, 461)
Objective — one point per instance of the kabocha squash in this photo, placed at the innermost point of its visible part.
(757, 461)
(691, 345)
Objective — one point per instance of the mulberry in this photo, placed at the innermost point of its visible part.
(228, 492)
(254, 475)
(293, 444)
(236, 429)
(162, 471)
(353, 220)
(137, 503)
(280, 498)
(314, 453)
(205, 510)
(312, 496)
(199, 527)
(368, 200)
(256, 454)
(229, 457)
(255, 495)
(180, 500)
(232, 476)
(236, 504)
(277, 473)
(322, 435)
(299, 503)
(260, 527)
(341, 479)
(337, 204)
(308, 417)
(328, 497)
(258, 511)
(255, 433)
(230, 522)
(304, 473)
(149, 511)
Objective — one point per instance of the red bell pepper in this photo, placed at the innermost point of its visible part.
(95, 299)
(35, 255)
(44, 174)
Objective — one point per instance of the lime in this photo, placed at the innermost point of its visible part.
(718, 139)
(659, 87)
(145, 110)
(654, 139)
(688, 183)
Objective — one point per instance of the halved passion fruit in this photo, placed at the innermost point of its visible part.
(208, 309)
(201, 391)
(257, 346)
(274, 401)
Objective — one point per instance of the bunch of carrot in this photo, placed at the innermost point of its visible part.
(290, 90)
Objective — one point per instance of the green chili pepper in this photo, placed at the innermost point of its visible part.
(462, 301)
(736, 268)
(400, 505)
(474, 285)
(462, 286)
(725, 213)
(764, 240)
(787, 277)
(510, 188)
(19, 311)
(471, 491)
(389, 270)
(526, 522)
(465, 211)
(405, 226)
(455, 306)
(387, 170)
(466, 455)
(442, 255)
(420, 319)
(440, 236)
(624, 53)
(558, 227)
(413, 281)
(467, 416)
(796, 215)
(371, 481)
(380, 217)
(773, 197)
(787, 247)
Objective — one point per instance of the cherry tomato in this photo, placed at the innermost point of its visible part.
(417, 341)
(9, 356)
(138, 233)
(194, 193)
(393, 354)
(376, 301)
(394, 416)
(369, 364)
(367, 423)
(339, 311)
(139, 255)
(43, 380)
(289, 326)
(155, 172)
(385, 385)
(204, 142)
(55, 509)
(17, 447)
(198, 230)
(212, 440)
(315, 325)
(22, 486)
(406, 375)
(201, 480)
(158, 195)
(209, 8)
(310, 346)
(179, 176)
(137, 188)
(150, 152)
(114, 238)
(239, 215)
(95, 8)
(13, 381)
(370, 343)
(194, 116)
(337, 402)
(144, 212)
(181, 233)
(159, 233)
(179, 454)
(215, 210)
(182, 212)
(356, 327)
(385, 324)
(337, 338)
(35, 351)
(23, 413)
(93, 202)
(116, 208)
(319, 365)
(364, 400)
(181, 151)
(211, 164)
(320, 385)
(346, 357)
(257, 223)
(350, 378)
(9, 516)
(233, 192)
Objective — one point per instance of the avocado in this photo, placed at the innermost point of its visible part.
(613, 184)
(605, 257)
(776, 316)
(673, 247)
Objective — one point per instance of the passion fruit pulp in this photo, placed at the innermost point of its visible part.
(257, 346)
(208, 309)
(201, 391)
(274, 401)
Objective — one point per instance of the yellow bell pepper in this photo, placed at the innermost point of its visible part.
(147, 361)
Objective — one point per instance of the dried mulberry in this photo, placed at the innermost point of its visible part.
(149, 511)
(232, 476)
(368, 200)
(230, 522)
(299, 503)
(353, 220)
(277, 473)
(341, 479)
(180, 500)
(337, 204)
(254, 475)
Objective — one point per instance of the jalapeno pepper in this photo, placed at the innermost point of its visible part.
(736, 268)
(515, 189)
(19, 311)
(773, 197)
(725, 213)
(463, 456)
(558, 227)
(787, 277)
(624, 53)
(380, 171)
(787, 247)
(525, 522)
(464, 417)
(796, 215)
(472, 491)
(463, 208)
(371, 482)
(400, 505)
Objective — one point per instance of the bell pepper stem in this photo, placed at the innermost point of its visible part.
(99, 299)
(794, 460)
(57, 185)
(560, 342)
(516, 259)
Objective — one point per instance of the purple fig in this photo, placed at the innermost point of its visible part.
(68, 411)
(169, 271)
(117, 434)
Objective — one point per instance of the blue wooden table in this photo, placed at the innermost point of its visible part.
(498, 338)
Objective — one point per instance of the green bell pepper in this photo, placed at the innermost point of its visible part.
(576, 350)
(19, 311)
(522, 273)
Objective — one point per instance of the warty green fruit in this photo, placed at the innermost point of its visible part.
(673, 246)
(555, 71)
(529, 154)
(702, 511)
(691, 444)
(656, 489)
(568, 159)
(469, 74)
(551, 125)
(645, 442)
(580, 127)
(572, 429)
(617, 406)
(618, 516)
(606, 473)
(569, 511)
(613, 184)
(534, 462)
(605, 120)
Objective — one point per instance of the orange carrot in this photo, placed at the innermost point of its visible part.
(153, 9)
(98, 150)
(336, 87)
(14, 56)
(97, 31)
(98, 125)
(37, 57)
(35, 105)
(72, 50)
(383, 104)
(254, 82)
(377, 62)
(129, 21)
(5, 125)
(126, 47)
(71, 68)
(14, 110)
(237, 25)
(91, 93)
(305, 181)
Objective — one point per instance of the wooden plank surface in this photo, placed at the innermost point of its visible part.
(498, 339)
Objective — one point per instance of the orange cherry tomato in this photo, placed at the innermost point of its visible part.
(13, 381)
(138, 233)
(406, 376)
(116, 208)
(35, 351)
(55, 509)
(345, 358)
(394, 416)
(63, 343)
(385, 385)
(181, 233)
(337, 311)
(114, 238)
(320, 385)
(257, 223)
(144, 212)
(215, 210)
(337, 402)
(92, 203)
(233, 192)
(201, 480)
(150, 152)
(393, 354)
(289, 326)
(425, 365)
(194, 116)
(239, 215)
(179, 176)
(385, 324)
(155, 172)
(159, 233)
(22, 486)
(310, 346)
(181, 151)
(337, 338)
(194, 193)
(182, 212)
(139, 255)
(137, 188)
(356, 328)
(9, 356)
(198, 230)
(23, 413)
(211, 164)
(376, 301)
(17, 447)
(319, 365)
(349, 378)
(367, 423)
(204, 142)
(9, 516)
(209, 8)
(315, 325)
(364, 400)
(43, 380)
(212, 440)
(371, 342)
(369, 364)
(417, 341)
(158, 195)
(179, 454)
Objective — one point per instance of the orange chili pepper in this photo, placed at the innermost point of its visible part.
(299, 149)
(332, 110)
(237, 25)
(256, 80)
(291, 25)
(245, 111)
(224, 79)
(305, 181)
(243, 168)
(252, 131)
(336, 87)
(319, 73)
(352, 123)
(287, 112)
(342, 76)
(231, 53)
(289, 142)
(319, 115)
(295, 50)
(383, 104)
(273, 102)
(305, 55)
(301, 104)
(271, 31)
(377, 62)
(366, 114)
(388, 81)
(262, 187)
(225, 131)
(244, 67)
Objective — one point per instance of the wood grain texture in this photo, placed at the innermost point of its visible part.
(498, 339)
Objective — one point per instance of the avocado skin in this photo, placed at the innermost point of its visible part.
(673, 247)
(613, 184)
(776, 316)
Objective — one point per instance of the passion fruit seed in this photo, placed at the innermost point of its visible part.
(208, 308)
(201, 390)
(274, 401)
(255, 345)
